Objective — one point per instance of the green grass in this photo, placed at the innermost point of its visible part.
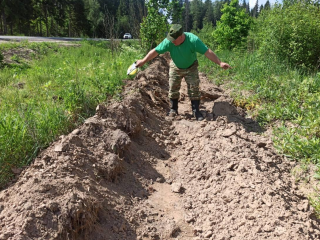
(62, 87)
(279, 96)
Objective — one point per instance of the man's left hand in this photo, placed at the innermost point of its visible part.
(225, 65)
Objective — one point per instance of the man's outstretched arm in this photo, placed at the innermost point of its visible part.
(213, 57)
(151, 55)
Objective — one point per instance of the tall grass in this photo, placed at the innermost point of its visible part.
(278, 94)
(61, 87)
(284, 98)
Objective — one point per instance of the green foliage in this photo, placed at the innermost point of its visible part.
(95, 16)
(205, 34)
(154, 26)
(175, 11)
(290, 33)
(1, 58)
(197, 14)
(232, 30)
(60, 90)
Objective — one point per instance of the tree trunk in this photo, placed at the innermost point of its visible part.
(52, 27)
(4, 20)
(40, 28)
(1, 26)
(69, 24)
(46, 21)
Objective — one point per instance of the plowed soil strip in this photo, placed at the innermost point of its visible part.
(131, 172)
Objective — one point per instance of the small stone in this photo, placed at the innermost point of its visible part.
(232, 166)
(268, 228)
(189, 219)
(304, 206)
(159, 180)
(165, 132)
(208, 234)
(76, 141)
(261, 144)
(176, 142)
(250, 217)
(28, 206)
(61, 147)
(266, 202)
(176, 187)
(228, 132)
(53, 206)
(76, 131)
(169, 180)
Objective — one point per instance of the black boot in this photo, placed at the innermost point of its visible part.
(173, 108)
(195, 110)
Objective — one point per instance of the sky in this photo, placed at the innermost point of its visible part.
(261, 2)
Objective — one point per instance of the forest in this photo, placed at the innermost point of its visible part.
(104, 18)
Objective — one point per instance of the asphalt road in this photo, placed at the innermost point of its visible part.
(48, 39)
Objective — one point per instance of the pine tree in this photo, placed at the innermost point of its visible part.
(196, 12)
(261, 8)
(267, 5)
(186, 16)
(255, 9)
(217, 6)
(208, 17)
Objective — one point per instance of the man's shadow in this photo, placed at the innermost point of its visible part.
(234, 115)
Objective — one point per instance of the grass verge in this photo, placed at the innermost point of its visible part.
(278, 96)
(53, 92)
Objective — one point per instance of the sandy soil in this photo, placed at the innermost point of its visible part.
(131, 172)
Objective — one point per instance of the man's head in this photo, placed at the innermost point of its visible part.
(174, 32)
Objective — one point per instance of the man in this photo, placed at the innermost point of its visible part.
(183, 48)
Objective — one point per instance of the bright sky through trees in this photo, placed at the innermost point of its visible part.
(262, 2)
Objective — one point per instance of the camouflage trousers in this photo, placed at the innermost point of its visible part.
(191, 76)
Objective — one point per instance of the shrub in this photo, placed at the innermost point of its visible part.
(233, 28)
(291, 33)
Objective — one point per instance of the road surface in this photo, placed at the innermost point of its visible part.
(47, 39)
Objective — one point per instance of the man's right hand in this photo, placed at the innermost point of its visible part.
(151, 55)
(139, 63)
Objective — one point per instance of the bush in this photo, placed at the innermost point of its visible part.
(233, 28)
(291, 33)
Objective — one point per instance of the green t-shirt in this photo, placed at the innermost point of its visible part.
(185, 54)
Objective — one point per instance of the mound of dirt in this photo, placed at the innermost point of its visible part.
(131, 172)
